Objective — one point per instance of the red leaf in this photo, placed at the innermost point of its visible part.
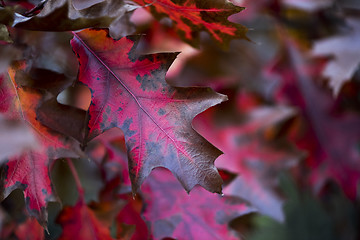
(7, 96)
(130, 224)
(331, 140)
(65, 119)
(80, 223)
(192, 16)
(129, 91)
(61, 15)
(250, 154)
(130, 215)
(30, 171)
(200, 215)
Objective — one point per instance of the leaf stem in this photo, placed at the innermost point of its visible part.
(76, 178)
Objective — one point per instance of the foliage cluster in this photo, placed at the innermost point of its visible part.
(169, 119)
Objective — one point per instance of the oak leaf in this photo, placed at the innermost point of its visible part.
(64, 119)
(252, 155)
(190, 17)
(129, 91)
(30, 170)
(331, 139)
(200, 215)
(67, 15)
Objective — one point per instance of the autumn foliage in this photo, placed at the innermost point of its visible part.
(169, 119)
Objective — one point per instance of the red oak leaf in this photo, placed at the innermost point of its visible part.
(79, 222)
(129, 223)
(330, 138)
(7, 96)
(249, 153)
(129, 91)
(65, 15)
(30, 171)
(192, 16)
(200, 215)
(66, 119)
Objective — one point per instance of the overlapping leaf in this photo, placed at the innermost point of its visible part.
(64, 119)
(80, 222)
(30, 170)
(251, 155)
(129, 91)
(130, 221)
(193, 16)
(200, 215)
(330, 139)
(66, 15)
